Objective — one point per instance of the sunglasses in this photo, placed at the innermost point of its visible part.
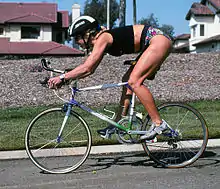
(78, 37)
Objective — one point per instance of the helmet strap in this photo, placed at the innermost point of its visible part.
(87, 43)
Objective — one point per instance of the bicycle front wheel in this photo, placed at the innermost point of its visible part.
(184, 143)
(52, 153)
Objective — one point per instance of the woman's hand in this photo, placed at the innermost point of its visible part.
(55, 83)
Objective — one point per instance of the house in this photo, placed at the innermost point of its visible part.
(181, 43)
(34, 29)
(204, 23)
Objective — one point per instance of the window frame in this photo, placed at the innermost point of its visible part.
(202, 30)
(3, 30)
(38, 27)
(194, 30)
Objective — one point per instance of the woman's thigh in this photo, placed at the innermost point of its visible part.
(151, 60)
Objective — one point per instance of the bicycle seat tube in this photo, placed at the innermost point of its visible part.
(131, 109)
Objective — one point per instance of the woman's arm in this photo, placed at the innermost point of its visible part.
(92, 62)
(90, 65)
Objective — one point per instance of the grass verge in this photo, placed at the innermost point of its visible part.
(14, 122)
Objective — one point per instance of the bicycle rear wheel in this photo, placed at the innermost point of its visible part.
(184, 143)
(51, 153)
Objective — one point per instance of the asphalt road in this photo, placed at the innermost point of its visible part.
(125, 171)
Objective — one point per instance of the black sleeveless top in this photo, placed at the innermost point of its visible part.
(123, 41)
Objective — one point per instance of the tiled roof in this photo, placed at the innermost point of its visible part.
(31, 13)
(208, 40)
(36, 48)
(199, 10)
(215, 3)
(4, 45)
(186, 45)
(182, 36)
(33, 18)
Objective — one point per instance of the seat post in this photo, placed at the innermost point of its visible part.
(132, 105)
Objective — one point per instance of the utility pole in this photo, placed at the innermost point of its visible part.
(108, 14)
(122, 12)
(134, 12)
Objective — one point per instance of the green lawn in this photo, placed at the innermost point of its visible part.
(14, 122)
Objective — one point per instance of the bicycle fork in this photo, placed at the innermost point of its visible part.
(68, 111)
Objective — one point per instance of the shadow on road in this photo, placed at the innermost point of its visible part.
(207, 159)
(139, 159)
(101, 162)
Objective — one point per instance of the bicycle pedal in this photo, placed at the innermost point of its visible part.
(107, 136)
(134, 141)
(151, 141)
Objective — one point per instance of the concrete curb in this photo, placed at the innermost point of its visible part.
(21, 154)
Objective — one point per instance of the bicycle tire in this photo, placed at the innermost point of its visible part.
(58, 155)
(182, 150)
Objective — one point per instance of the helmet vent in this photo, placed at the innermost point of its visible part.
(79, 24)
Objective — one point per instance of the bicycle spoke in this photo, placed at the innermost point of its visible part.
(181, 121)
(70, 132)
(188, 141)
(64, 153)
(42, 147)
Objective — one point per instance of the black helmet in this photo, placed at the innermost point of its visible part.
(83, 23)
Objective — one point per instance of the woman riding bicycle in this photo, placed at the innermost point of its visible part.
(152, 42)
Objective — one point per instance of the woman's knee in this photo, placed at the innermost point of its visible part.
(134, 83)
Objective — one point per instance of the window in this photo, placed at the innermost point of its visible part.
(194, 31)
(202, 30)
(1, 31)
(30, 32)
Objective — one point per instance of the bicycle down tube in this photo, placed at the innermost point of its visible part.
(103, 117)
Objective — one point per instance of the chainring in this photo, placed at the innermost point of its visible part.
(124, 137)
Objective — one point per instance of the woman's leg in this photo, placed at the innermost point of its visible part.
(125, 96)
(147, 66)
(123, 106)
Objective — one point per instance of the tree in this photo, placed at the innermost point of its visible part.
(122, 13)
(98, 10)
(168, 29)
(153, 21)
(150, 20)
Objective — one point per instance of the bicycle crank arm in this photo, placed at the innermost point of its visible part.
(133, 132)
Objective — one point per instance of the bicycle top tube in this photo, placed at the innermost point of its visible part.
(104, 86)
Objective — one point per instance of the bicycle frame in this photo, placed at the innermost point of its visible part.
(73, 102)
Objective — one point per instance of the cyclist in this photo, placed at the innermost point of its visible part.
(152, 42)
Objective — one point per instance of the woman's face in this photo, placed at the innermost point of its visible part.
(81, 40)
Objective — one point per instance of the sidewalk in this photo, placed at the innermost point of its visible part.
(21, 154)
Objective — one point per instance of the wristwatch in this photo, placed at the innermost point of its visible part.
(62, 77)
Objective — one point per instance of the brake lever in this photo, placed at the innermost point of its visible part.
(45, 64)
(44, 82)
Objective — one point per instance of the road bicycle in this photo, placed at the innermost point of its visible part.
(59, 140)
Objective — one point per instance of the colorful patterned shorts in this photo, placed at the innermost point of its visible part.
(151, 32)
